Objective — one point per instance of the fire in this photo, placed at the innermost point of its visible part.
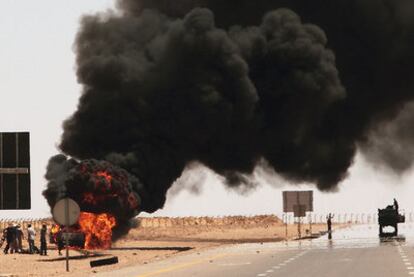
(55, 229)
(104, 174)
(105, 191)
(89, 198)
(54, 232)
(97, 229)
(103, 182)
(106, 198)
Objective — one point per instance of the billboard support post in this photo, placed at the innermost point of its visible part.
(286, 227)
(298, 202)
(310, 222)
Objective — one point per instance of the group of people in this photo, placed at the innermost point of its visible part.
(13, 236)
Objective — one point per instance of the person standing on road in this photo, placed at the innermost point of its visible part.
(329, 223)
(59, 241)
(31, 235)
(43, 244)
(396, 205)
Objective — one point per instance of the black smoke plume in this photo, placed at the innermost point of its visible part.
(392, 143)
(229, 83)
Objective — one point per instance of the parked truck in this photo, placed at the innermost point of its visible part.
(390, 216)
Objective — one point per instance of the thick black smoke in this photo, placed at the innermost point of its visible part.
(392, 144)
(299, 83)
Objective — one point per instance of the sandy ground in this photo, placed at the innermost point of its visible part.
(144, 245)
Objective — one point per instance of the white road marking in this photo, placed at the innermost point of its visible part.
(269, 271)
(235, 264)
(406, 260)
(261, 275)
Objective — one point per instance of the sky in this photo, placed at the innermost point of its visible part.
(39, 90)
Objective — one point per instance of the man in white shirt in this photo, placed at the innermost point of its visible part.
(31, 235)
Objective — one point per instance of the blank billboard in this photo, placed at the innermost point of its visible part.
(15, 171)
(298, 201)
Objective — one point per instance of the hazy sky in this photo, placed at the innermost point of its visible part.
(39, 90)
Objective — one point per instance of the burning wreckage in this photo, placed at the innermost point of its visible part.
(233, 86)
(95, 186)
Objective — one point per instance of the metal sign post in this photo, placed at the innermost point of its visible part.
(310, 223)
(299, 211)
(286, 227)
(66, 212)
(67, 232)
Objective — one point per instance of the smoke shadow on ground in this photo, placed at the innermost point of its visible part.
(77, 257)
(179, 249)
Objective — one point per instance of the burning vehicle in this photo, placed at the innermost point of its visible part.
(58, 235)
(95, 186)
(91, 232)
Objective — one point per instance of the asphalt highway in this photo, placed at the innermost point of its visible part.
(355, 251)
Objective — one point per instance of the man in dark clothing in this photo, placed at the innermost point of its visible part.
(396, 205)
(10, 239)
(43, 245)
(60, 242)
(329, 223)
(3, 237)
(19, 239)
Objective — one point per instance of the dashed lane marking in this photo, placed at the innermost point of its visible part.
(283, 264)
(405, 259)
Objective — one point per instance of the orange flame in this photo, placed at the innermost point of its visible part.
(97, 229)
(55, 229)
(89, 198)
(107, 177)
(54, 232)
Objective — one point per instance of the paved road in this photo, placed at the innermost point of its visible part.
(353, 252)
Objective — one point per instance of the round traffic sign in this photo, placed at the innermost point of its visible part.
(66, 212)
